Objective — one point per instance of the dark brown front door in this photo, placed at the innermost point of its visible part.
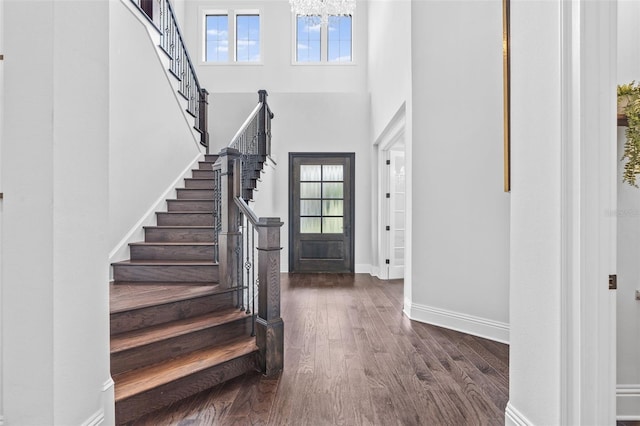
(321, 211)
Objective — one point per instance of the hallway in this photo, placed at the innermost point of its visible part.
(353, 358)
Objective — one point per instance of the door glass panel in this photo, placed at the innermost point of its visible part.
(332, 190)
(399, 220)
(332, 172)
(310, 190)
(310, 207)
(310, 172)
(310, 225)
(332, 208)
(332, 225)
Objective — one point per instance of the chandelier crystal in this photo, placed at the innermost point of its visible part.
(320, 10)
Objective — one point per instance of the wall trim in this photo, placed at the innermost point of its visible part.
(628, 402)
(96, 419)
(469, 324)
(362, 268)
(136, 233)
(513, 417)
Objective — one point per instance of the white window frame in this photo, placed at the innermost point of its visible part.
(324, 46)
(232, 15)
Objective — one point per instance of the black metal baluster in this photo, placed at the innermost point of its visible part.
(253, 280)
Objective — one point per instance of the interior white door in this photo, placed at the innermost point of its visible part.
(397, 214)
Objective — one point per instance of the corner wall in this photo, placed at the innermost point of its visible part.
(55, 326)
(460, 214)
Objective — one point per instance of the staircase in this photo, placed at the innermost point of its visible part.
(174, 330)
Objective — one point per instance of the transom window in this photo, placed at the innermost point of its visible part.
(332, 42)
(232, 37)
(321, 199)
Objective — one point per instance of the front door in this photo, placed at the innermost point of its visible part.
(321, 212)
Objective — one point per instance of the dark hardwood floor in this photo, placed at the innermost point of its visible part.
(353, 358)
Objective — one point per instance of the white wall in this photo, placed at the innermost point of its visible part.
(55, 336)
(152, 141)
(460, 214)
(389, 85)
(535, 216)
(276, 72)
(1, 138)
(562, 352)
(628, 215)
(389, 66)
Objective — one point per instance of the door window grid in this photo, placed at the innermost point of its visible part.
(321, 199)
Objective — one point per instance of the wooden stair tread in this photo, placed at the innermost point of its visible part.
(172, 243)
(145, 336)
(185, 212)
(166, 262)
(178, 227)
(125, 297)
(144, 379)
(190, 199)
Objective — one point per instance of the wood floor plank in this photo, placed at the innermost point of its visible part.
(353, 358)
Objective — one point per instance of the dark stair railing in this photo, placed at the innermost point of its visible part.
(160, 13)
(253, 270)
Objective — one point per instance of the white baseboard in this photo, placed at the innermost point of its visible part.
(513, 417)
(362, 268)
(375, 271)
(628, 402)
(469, 324)
(109, 402)
(136, 233)
(96, 419)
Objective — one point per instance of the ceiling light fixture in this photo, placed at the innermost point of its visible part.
(320, 10)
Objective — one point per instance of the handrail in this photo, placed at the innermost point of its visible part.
(235, 139)
(162, 16)
(251, 271)
(246, 210)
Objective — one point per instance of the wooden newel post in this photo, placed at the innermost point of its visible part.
(269, 325)
(229, 237)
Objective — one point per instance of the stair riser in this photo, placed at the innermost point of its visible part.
(162, 351)
(202, 174)
(184, 219)
(160, 314)
(179, 235)
(211, 157)
(198, 183)
(166, 273)
(138, 405)
(195, 194)
(190, 206)
(186, 252)
(205, 165)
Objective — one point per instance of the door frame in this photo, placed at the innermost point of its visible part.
(352, 201)
(393, 133)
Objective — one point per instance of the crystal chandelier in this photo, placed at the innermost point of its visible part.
(322, 9)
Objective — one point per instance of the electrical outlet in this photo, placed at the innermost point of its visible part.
(637, 294)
